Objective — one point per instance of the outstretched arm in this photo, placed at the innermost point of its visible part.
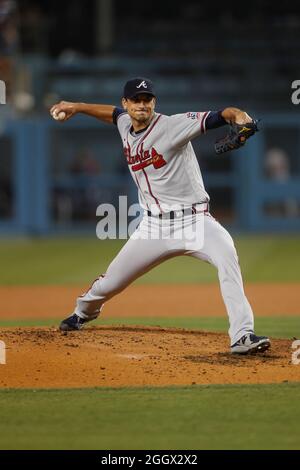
(104, 112)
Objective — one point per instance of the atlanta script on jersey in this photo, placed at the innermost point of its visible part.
(162, 160)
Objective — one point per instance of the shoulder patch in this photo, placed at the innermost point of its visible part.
(192, 115)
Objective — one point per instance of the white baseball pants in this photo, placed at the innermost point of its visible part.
(141, 253)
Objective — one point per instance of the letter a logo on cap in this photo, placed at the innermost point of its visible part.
(143, 84)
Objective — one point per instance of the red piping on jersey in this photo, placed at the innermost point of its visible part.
(202, 121)
(137, 151)
(150, 191)
(137, 182)
(147, 133)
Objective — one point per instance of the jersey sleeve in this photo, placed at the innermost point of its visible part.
(122, 120)
(117, 112)
(184, 127)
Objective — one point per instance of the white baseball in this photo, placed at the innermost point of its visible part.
(59, 116)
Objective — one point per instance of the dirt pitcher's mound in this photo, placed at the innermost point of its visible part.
(135, 356)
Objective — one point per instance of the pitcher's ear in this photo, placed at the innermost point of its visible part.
(124, 103)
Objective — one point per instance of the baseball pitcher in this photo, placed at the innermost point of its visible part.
(172, 195)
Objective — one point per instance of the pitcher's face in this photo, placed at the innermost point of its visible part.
(140, 108)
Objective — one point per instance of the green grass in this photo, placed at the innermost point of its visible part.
(276, 327)
(78, 260)
(198, 417)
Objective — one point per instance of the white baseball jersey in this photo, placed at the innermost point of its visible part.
(162, 160)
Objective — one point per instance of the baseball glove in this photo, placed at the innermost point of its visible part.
(237, 136)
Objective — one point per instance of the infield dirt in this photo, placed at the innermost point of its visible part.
(135, 356)
(139, 356)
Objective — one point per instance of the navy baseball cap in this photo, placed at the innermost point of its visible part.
(138, 85)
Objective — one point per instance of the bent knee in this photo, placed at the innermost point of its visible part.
(108, 287)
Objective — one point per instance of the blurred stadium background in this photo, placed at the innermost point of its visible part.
(53, 176)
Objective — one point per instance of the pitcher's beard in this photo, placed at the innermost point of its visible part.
(144, 119)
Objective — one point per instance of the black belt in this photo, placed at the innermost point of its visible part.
(182, 212)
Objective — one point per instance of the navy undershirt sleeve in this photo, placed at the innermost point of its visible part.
(214, 120)
(116, 113)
